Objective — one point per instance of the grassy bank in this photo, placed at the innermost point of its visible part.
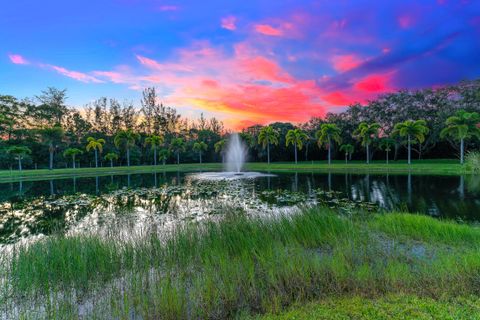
(243, 266)
(437, 167)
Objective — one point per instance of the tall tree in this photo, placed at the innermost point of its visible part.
(328, 133)
(96, 145)
(110, 157)
(296, 137)
(177, 146)
(200, 147)
(53, 104)
(163, 155)
(411, 129)
(19, 152)
(220, 148)
(154, 141)
(126, 139)
(386, 145)
(348, 149)
(463, 125)
(267, 136)
(72, 153)
(52, 136)
(366, 133)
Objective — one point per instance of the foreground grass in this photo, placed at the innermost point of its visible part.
(244, 266)
(432, 167)
(401, 307)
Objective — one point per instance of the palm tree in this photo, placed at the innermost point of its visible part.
(154, 141)
(200, 147)
(72, 152)
(126, 139)
(96, 145)
(348, 149)
(19, 152)
(327, 133)
(110, 157)
(386, 145)
(177, 145)
(268, 135)
(463, 125)
(411, 129)
(220, 147)
(366, 133)
(296, 137)
(51, 136)
(163, 155)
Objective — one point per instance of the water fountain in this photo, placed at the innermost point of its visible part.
(236, 154)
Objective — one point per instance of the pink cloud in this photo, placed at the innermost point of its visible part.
(346, 62)
(268, 30)
(405, 21)
(229, 23)
(168, 8)
(375, 83)
(17, 59)
(83, 77)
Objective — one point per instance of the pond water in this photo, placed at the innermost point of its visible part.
(32, 209)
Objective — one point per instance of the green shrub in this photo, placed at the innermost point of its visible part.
(472, 161)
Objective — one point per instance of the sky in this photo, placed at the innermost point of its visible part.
(244, 62)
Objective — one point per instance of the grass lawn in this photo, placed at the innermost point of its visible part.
(391, 307)
(312, 265)
(435, 167)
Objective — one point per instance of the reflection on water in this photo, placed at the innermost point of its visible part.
(90, 204)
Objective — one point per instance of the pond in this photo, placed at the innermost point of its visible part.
(133, 202)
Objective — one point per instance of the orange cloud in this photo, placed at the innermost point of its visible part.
(337, 98)
(17, 59)
(346, 62)
(268, 30)
(229, 23)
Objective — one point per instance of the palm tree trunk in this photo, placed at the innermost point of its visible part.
(409, 151)
(155, 156)
(368, 154)
(462, 146)
(329, 152)
(96, 158)
(128, 157)
(200, 154)
(387, 156)
(111, 163)
(51, 157)
(178, 157)
(346, 158)
(19, 163)
(73, 162)
(268, 153)
(295, 153)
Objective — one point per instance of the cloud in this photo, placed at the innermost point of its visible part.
(229, 23)
(347, 62)
(268, 30)
(168, 8)
(82, 77)
(18, 59)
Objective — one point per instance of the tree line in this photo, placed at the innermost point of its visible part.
(42, 132)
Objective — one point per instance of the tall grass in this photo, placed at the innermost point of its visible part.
(242, 265)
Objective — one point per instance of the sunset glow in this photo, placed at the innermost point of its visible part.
(244, 63)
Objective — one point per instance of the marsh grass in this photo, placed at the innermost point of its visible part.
(242, 266)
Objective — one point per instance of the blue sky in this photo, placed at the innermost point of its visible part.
(243, 61)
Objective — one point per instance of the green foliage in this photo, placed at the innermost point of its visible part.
(19, 151)
(268, 135)
(296, 137)
(154, 141)
(347, 148)
(366, 132)
(200, 146)
(111, 156)
(328, 132)
(95, 144)
(386, 144)
(463, 125)
(126, 139)
(220, 146)
(472, 161)
(410, 128)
